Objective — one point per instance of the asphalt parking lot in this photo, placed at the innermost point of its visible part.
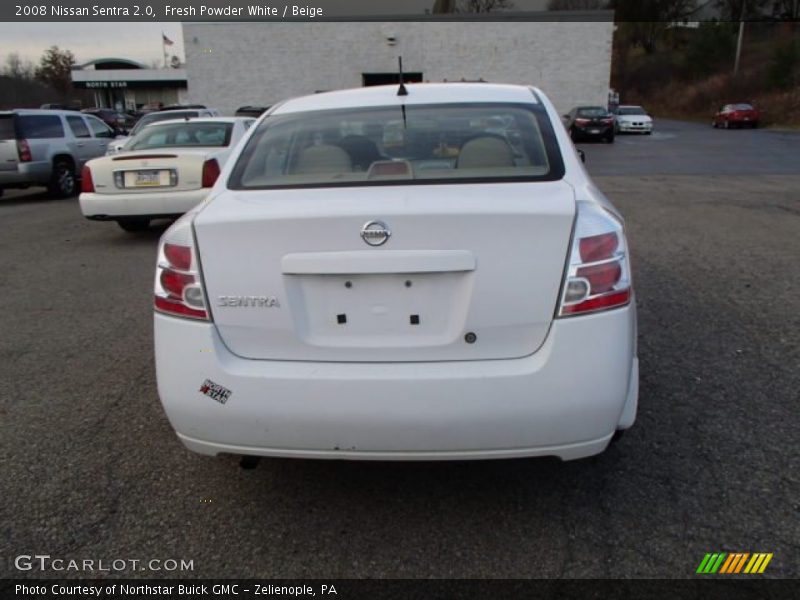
(91, 468)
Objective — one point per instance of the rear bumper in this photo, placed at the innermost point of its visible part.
(566, 400)
(151, 204)
(592, 132)
(32, 173)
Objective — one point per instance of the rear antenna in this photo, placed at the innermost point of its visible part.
(402, 91)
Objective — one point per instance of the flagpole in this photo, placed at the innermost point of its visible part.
(164, 48)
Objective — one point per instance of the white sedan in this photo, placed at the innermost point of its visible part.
(437, 290)
(167, 169)
(633, 119)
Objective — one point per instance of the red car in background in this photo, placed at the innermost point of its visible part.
(738, 115)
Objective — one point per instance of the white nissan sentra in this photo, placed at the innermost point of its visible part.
(420, 276)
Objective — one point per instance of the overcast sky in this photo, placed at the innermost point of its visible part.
(137, 41)
(142, 41)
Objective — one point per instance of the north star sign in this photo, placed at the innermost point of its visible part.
(105, 84)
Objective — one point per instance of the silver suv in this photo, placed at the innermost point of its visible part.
(48, 147)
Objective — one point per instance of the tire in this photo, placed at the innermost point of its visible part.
(63, 183)
(754, 125)
(714, 124)
(572, 135)
(617, 436)
(648, 133)
(134, 224)
(610, 139)
(1, 192)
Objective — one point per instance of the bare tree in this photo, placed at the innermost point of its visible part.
(576, 4)
(18, 68)
(482, 6)
(55, 68)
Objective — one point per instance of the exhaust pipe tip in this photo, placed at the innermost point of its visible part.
(248, 463)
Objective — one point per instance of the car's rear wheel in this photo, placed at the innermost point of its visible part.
(754, 125)
(714, 124)
(62, 182)
(134, 224)
(610, 138)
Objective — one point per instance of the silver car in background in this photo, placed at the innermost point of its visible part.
(49, 148)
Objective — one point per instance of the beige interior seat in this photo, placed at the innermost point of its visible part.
(485, 152)
(323, 159)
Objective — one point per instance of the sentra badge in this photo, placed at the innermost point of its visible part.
(248, 302)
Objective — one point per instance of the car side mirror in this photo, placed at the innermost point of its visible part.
(582, 154)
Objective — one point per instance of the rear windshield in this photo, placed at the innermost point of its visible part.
(39, 126)
(742, 106)
(162, 116)
(592, 112)
(7, 127)
(184, 135)
(441, 143)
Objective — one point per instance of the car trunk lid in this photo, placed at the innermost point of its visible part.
(470, 271)
(164, 169)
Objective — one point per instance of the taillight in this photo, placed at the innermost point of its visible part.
(598, 275)
(87, 185)
(179, 284)
(581, 121)
(210, 173)
(24, 151)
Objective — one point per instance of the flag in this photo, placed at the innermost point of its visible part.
(165, 40)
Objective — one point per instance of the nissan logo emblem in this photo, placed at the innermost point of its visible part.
(376, 233)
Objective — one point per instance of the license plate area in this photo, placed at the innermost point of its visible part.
(147, 178)
(380, 310)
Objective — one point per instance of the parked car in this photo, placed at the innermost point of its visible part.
(741, 114)
(590, 122)
(154, 117)
(119, 122)
(168, 169)
(448, 297)
(48, 147)
(633, 119)
(251, 111)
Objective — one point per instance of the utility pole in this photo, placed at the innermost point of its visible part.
(741, 38)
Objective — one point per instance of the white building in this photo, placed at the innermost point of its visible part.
(125, 84)
(234, 64)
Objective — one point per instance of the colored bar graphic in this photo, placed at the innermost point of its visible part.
(718, 563)
(764, 564)
(727, 564)
(703, 564)
(741, 562)
(733, 563)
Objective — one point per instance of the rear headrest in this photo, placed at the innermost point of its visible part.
(484, 152)
(323, 159)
